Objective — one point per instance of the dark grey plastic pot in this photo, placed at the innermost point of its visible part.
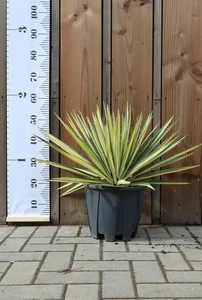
(114, 212)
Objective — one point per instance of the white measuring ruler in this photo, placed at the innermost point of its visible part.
(28, 60)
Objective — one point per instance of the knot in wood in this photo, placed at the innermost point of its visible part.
(143, 2)
(196, 73)
(126, 5)
(122, 31)
(74, 18)
(85, 7)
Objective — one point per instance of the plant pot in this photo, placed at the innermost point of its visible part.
(114, 212)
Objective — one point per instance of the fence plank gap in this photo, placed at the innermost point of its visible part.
(106, 69)
(157, 70)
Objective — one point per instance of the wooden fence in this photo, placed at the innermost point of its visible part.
(144, 52)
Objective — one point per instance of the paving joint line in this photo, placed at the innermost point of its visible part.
(8, 235)
(54, 236)
(79, 231)
(185, 258)
(7, 269)
(100, 286)
(39, 268)
(127, 246)
(148, 236)
(101, 250)
(166, 229)
(71, 261)
(163, 271)
(27, 240)
(64, 291)
(134, 284)
(194, 237)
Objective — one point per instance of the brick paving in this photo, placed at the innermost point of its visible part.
(65, 263)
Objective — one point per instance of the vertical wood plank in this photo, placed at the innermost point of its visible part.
(132, 62)
(106, 76)
(54, 124)
(157, 70)
(3, 112)
(80, 78)
(132, 55)
(182, 96)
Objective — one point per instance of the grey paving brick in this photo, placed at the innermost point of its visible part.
(72, 277)
(128, 256)
(82, 292)
(22, 256)
(179, 232)
(65, 231)
(196, 230)
(85, 231)
(45, 231)
(5, 231)
(175, 290)
(20, 273)
(173, 241)
(3, 266)
(75, 240)
(87, 252)
(193, 253)
(197, 265)
(23, 231)
(117, 246)
(50, 247)
(173, 261)
(185, 276)
(157, 232)
(39, 240)
(101, 265)
(12, 244)
(153, 248)
(147, 271)
(56, 261)
(139, 241)
(117, 285)
(141, 233)
(30, 292)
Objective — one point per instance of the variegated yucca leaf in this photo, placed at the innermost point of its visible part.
(115, 152)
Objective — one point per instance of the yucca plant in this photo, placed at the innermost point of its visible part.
(115, 152)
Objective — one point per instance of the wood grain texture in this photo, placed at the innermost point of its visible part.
(157, 70)
(182, 96)
(132, 55)
(106, 74)
(3, 141)
(132, 62)
(54, 108)
(80, 78)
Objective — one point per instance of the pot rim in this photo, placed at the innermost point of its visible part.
(112, 187)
